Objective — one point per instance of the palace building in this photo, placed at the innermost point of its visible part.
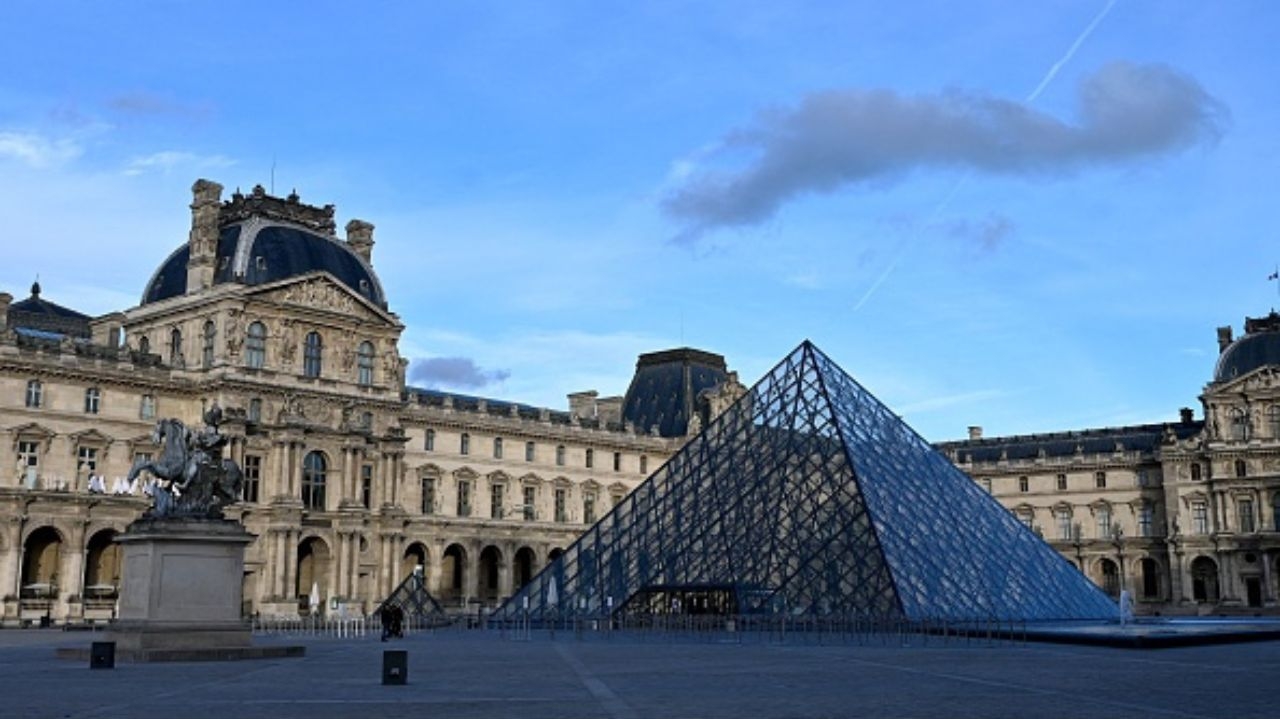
(354, 478)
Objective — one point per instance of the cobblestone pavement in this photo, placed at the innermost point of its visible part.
(477, 674)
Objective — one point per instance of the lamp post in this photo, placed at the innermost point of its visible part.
(1117, 541)
(1076, 541)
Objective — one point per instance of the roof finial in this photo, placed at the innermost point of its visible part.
(35, 287)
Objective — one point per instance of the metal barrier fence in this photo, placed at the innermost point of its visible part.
(842, 630)
(346, 627)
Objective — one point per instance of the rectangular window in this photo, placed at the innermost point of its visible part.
(1062, 482)
(1143, 478)
(1064, 525)
(496, 500)
(1144, 521)
(644, 464)
(147, 408)
(1024, 484)
(1245, 509)
(464, 444)
(366, 485)
(530, 503)
(428, 495)
(87, 459)
(528, 451)
(561, 500)
(252, 478)
(1027, 520)
(617, 461)
(1100, 480)
(1200, 518)
(986, 484)
(28, 462)
(497, 448)
(35, 393)
(591, 458)
(464, 499)
(560, 455)
(1195, 472)
(92, 398)
(616, 498)
(255, 410)
(1104, 523)
(589, 506)
(429, 441)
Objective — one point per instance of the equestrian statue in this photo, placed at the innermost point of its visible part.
(194, 479)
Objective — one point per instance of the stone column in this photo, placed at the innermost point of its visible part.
(290, 565)
(1268, 593)
(280, 480)
(471, 573)
(506, 570)
(435, 569)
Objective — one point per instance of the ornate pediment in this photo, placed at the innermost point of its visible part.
(321, 291)
(91, 437)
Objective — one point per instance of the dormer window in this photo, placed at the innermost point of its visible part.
(260, 263)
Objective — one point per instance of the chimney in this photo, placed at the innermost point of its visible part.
(203, 240)
(583, 404)
(360, 239)
(1186, 415)
(975, 432)
(1224, 338)
(6, 299)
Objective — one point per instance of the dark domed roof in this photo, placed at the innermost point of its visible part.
(664, 392)
(37, 313)
(258, 251)
(1258, 348)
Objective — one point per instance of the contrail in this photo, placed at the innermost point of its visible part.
(946, 201)
(1053, 71)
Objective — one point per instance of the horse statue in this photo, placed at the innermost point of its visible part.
(195, 481)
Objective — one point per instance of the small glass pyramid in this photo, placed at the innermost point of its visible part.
(809, 497)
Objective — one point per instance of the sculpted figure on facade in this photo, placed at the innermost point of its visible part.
(235, 336)
(288, 342)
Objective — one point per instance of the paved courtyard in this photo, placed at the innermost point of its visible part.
(478, 674)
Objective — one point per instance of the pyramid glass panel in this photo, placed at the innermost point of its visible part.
(809, 497)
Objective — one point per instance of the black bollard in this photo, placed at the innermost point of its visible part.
(395, 667)
(102, 655)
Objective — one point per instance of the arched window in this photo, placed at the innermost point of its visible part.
(1150, 572)
(314, 468)
(175, 347)
(92, 398)
(255, 346)
(35, 393)
(1103, 517)
(1239, 425)
(1195, 472)
(206, 345)
(364, 364)
(1110, 577)
(311, 355)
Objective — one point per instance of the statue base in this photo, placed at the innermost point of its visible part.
(182, 591)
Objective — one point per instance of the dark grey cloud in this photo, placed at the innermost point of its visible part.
(460, 372)
(848, 137)
(985, 234)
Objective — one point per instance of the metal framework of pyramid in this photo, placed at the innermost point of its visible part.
(810, 497)
(413, 598)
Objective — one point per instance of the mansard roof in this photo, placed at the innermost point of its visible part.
(38, 315)
(1107, 440)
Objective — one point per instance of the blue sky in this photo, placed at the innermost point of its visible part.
(1025, 216)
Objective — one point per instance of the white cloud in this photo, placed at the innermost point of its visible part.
(169, 160)
(38, 151)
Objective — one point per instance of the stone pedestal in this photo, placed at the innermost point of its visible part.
(181, 593)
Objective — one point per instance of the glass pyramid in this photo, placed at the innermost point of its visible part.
(810, 497)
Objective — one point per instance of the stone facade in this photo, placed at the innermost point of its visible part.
(352, 478)
(1185, 515)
